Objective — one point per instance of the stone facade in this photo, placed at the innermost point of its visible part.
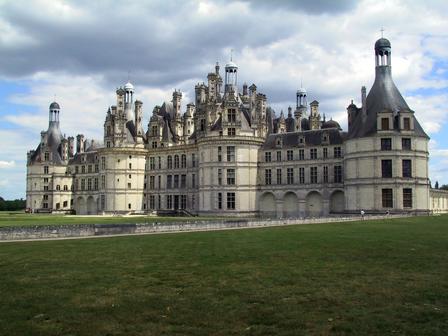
(229, 154)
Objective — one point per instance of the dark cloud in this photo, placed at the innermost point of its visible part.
(314, 7)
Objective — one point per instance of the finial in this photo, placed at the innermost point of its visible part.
(382, 31)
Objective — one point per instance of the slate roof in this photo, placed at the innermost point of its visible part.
(312, 138)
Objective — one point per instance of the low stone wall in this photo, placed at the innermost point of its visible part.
(89, 230)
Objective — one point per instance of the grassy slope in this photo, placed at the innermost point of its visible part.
(22, 219)
(365, 278)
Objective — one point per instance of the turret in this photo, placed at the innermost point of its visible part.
(80, 143)
(129, 100)
(231, 80)
(71, 146)
(138, 120)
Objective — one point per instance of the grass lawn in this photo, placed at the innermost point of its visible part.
(19, 218)
(386, 277)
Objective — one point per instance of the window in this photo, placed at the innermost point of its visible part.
(76, 169)
(83, 184)
(385, 124)
(45, 179)
(290, 175)
(230, 176)
(231, 115)
(193, 160)
(406, 124)
(58, 187)
(45, 197)
(129, 186)
(325, 152)
(337, 174)
(169, 162)
(231, 131)
(47, 156)
(202, 124)
(152, 163)
(152, 182)
(65, 187)
(154, 130)
(267, 177)
(230, 153)
(130, 166)
(108, 144)
(289, 155)
(219, 154)
(313, 153)
(176, 181)
(159, 162)
(386, 144)
(97, 168)
(152, 201)
(169, 201)
(301, 154)
(219, 200)
(219, 176)
(279, 156)
(267, 157)
(103, 181)
(386, 168)
(407, 168)
(406, 143)
(407, 198)
(279, 176)
(183, 161)
(89, 168)
(159, 182)
(387, 198)
(154, 144)
(325, 176)
(313, 175)
(337, 152)
(65, 204)
(95, 184)
(183, 201)
(58, 205)
(46, 188)
(183, 181)
(103, 202)
(231, 201)
(176, 161)
(83, 169)
(45, 205)
(193, 180)
(129, 206)
(169, 181)
(301, 175)
(45, 169)
(103, 162)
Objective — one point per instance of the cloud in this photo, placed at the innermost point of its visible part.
(7, 164)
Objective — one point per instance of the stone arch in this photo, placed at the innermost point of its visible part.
(91, 206)
(337, 201)
(268, 205)
(314, 204)
(81, 207)
(290, 205)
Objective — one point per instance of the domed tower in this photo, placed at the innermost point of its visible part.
(386, 158)
(301, 107)
(231, 79)
(129, 100)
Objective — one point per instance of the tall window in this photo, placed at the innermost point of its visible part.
(301, 154)
(406, 143)
(45, 169)
(337, 174)
(386, 168)
(83, 184)
(337, 152)
(47, 156)
(313, 175)
(230, 176)
(184, 161)
(387, 198)
(176, 181)
(103, 181)
(385, 124)
(103, 162)
(219, 176)
(407, 168)
(169, 201)
(152, 163)
(231, 131)
(169, 162)
(231, 115)
(95, 184)
(313, 153)
(279, 156)
(386, 144)
(176, 161)
(193, 180)
(301, 175)
(267, 156)
(219, 154)
(219, 200)
(169, 181)
(230, 153)
(152, 182)
(290, 175)
(231, 201)
(407, 198)
(407, 124)
(267, 177)
(279, 176)
(325, 176)
(289, 155)
(183, 181)
(325, 152)
(193, 160)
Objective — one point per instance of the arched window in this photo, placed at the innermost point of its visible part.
(184, 161)
(65, 187)
(176, 161)
(169, 162)
(58, 187)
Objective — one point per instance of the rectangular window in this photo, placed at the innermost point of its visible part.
(159, 159)
(406, 124)
(219, 154)
(45, 169)
(176, 181)
(313, 153)
(231, 131)
(386, 168)
(193, 180)
(290, 175)
(231, 201)
(279, 176)
(407, 168)
(152, 182)
(95, 184)
(183, 161)
(406, 143)
(387, 198)
(103, 202)
(230, 153)
(152, 163)
(325, 152)
(65, 204)
(169, 179)
(47, 156)
(279, 156)
(230, 176)
(337, 152)
(97, 168)
(76, 169)
(385, 124)
(176, 161)
(83, 184)
(193, 160)
(231, 115)
(313, 174)
(219, 200)
(154, 144)
(289, 155)
(83, 169)
(169, 162)
(89, 168)
(267, 177)
(267, 157)
(103, 181)
(183, 181)
(407, 198)
(301, 154)
(152, 201)
(103, 163)
(302, 175)
(219, 176)
(325, 176)
(129, 186)
(183, 201)
(386, 144)
(337, 174)
(169, 201)
(159, 182)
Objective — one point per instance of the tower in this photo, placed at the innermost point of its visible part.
(301, 107)
(129, 100)
(231, 79)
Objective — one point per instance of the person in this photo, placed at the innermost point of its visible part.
(362, 214)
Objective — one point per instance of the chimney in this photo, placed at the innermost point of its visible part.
(363, 101)
(80, 143)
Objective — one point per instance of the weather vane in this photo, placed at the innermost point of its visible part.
(231, 55)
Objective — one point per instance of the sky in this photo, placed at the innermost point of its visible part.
(79, 52)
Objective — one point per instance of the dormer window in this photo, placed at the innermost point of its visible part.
(407, 124)
(279, 142)
(47, 156)
(325, 138)
(301, 140)
(385, 124)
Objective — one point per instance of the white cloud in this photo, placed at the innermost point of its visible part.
(7, 164)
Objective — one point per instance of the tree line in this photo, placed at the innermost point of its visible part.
(13, 205)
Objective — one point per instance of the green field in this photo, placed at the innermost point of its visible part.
(19, 218)
(385, 277)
